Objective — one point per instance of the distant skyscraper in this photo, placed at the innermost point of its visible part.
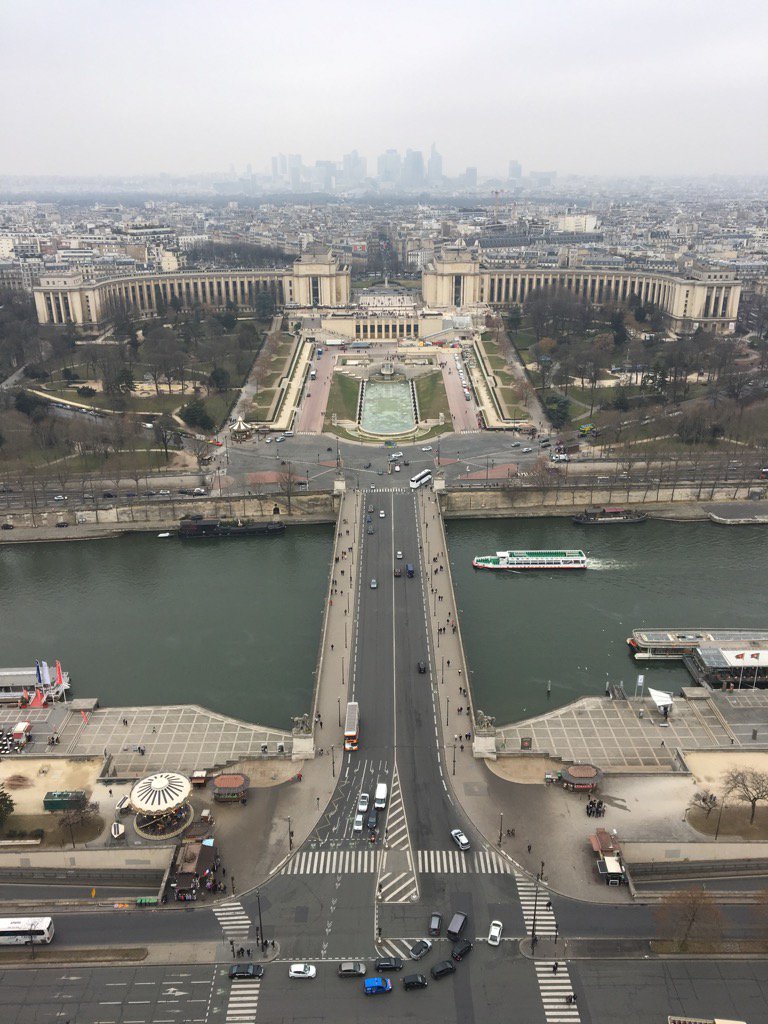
(354, 168)
(389, 166)
(470, 177)
(515, 170)
(413, 168)
(294, 171)
(435, 166)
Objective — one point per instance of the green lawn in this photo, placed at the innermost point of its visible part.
(342, 398)
(432, 397)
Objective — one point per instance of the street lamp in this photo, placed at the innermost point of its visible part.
(290, 835)
(333, 762)
(454, 758)
(447, 708)
(261, 926)
(501, 825)
(534, 939)
(442, 669)
(338, 701)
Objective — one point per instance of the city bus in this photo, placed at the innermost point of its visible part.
(18, 931)
(423, 477)
(352, 726)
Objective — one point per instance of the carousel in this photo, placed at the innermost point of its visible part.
(161, 805)
(240, 430)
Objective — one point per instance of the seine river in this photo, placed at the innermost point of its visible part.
(235, 625)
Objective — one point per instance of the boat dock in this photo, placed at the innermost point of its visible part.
(669, 644)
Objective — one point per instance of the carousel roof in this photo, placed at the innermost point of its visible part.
(159, 793)
(240, 426)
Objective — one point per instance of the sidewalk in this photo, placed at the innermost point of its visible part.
(492, 803)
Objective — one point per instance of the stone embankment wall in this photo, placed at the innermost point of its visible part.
(688, 501)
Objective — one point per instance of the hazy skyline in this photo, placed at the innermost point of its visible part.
(590, 87)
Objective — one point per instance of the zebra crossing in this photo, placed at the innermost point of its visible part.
(556, 989)
(243, 1001)
(454, 862)
(400, 884)
(233, 919)
(333, 862)
(388, 490)
(533, 901)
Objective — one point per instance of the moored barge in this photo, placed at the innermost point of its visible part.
(193, 529)
(604, 516)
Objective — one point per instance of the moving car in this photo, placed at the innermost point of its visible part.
(515, 444)
(302, 971)
(246, 971)
(382, 514)
(460, 950)
(363, 802)
(435, 924)
(370, 508)
(397, 470)
(374, 584)
(527, 451)
(279, 438)
(62, 525)
(414, 981)
(373, 986)
(399, 554)
(442, 968)
(199, 490)
(358, 823)
(422, 668)
(419, 949)
(460, 839)
(370, 529)
(494, 935)
(427, 448)
(398, 571)
(351, 969)
(6, 526)
(388, 963)
(164, 493)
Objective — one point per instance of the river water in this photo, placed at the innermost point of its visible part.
(232, 625)
(235, 625)
(523, 630)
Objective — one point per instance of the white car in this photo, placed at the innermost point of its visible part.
(302, 971)
(59, 497)
(363, 803)
(397, 470)
(515, 444)
(382, 513)
(358, 825)
(427, 448)
(199, 491)
(267, 440)
(527, 451)
(374, 584)
(399, 554)
(494, 935)
(164, 493)
(460, 839)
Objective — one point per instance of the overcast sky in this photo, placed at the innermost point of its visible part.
(587, 86)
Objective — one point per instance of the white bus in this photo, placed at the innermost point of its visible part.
(17, 931)
(423, 477)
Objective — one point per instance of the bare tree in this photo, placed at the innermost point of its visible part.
(689, 915)
(748, 785)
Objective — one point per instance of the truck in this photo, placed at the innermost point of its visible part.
(352, 726)
(313, 374)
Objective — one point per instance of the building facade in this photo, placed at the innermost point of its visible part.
(316, 280)
(458, 277)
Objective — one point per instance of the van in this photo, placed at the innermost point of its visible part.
(287, 433)
(409, 571)
(380, 800)
(456, 927)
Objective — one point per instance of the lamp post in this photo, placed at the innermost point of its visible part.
(290, 835)
(261, 926)
(447, 708)
(338, 701)
(333, 762)
(534, 939)
(454, 758)
(342, 672)
(442, 669)
(501, 825)
(719, 818)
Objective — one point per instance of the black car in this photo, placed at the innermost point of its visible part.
(6, 526)
(373, 818)
(246, 971)
(367, 465)
(461, 948)
(422, 668)
(435, 924)
(442, 968)
(131, 494)
(370, 529)
(420, 949)
(185, 490)
(414, 981)
(62, 525)
(387, 963)
(107, 494)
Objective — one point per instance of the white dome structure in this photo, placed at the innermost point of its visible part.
(160, 794)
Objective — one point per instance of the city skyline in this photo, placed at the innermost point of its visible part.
(588, 90)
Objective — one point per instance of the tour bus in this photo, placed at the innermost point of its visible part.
(17, 931)
(424, 477)
(352, 726)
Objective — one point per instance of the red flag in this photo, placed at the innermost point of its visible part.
(85, 717)
(59, 676)
(756, 656)
(739, 656)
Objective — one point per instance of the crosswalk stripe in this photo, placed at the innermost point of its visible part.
(243, 1001)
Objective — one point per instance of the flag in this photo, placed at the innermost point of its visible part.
(46, 674)
(85, 717)
(739, 656)
(756, 656)
(37, 670)
(59, 676)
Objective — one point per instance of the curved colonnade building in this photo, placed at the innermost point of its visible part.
(459, 278)
(311, 281)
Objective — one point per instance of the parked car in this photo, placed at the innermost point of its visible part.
(107, 494)
(164, 494)
(397, 470)
(527, 451)
(302, 971)
(199, 490)
(62, 525)
(59, 497)
(373, 986)
(461, 948)
(427, 448)
(6, 526)
(414, 981)
(435, 924)
(419, 949)
(442, 968)
(387, 963)
(246, 971)
(494, 935)
(351, 969)
(460, 839)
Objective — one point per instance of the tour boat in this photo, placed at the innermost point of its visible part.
(602, 516)
(518, 560)
(32, 687)
(163, 535)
